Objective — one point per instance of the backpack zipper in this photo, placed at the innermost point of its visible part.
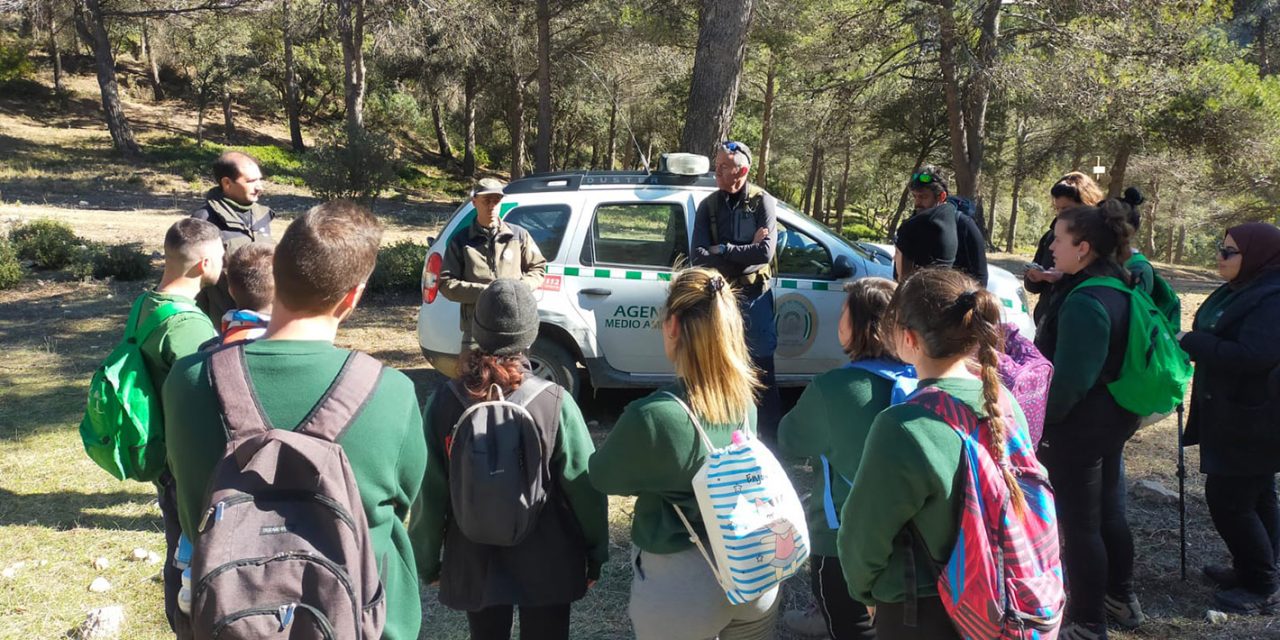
(285, 613)
(337, 570)
(217, 511)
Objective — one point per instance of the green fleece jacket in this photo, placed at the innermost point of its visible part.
(569, 461)
(908, 474)
(832, 419)
(1083, 343)
(177, 337)
(653, 453)
(384, 446)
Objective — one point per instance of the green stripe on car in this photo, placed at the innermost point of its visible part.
(665, 276)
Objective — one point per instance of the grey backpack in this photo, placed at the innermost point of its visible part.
(283, 549)
(498, 466)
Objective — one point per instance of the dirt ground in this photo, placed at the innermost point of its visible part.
(58, 512)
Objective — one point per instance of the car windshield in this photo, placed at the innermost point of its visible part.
(853, 246)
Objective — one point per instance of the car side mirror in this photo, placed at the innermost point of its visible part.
(431, 240)
(843, 268)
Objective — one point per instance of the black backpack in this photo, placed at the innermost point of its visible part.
(499, 465)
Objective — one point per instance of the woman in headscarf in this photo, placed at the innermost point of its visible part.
(1235, 418)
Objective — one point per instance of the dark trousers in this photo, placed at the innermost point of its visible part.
(762, 341)
(536, 623)
(847, 619)
(932, 622)
(1097, 544)
(167, 496)
(1247, 516)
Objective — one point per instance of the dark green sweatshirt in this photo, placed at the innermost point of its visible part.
(569, 461)
(653, 453)
(832, 419)
(1083, 344)
(908, 474)
(384, 446)
(177, 337)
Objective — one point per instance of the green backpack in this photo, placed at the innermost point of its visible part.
(1162, 294)
(1155, 370)
(123, 428)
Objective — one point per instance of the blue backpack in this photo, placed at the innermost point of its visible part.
(904, 381)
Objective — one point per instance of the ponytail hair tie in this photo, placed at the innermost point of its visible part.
(968, 301)
(715, 285)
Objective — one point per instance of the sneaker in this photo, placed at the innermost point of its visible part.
(1244, 601)
(806, 622)
(1127, 613)
(1222, 576)
(1083, 631)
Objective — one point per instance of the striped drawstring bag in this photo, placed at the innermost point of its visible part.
(754, 520)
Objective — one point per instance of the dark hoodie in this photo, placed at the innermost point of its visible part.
(928, 238)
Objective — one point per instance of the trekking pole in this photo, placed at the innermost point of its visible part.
(1182, 497)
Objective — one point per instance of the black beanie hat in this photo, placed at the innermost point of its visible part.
(928, 239)
(506, 318)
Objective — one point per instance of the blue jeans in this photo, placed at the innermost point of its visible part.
(762, 340)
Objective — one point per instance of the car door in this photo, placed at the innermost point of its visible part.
(627, 256)
(808, 301)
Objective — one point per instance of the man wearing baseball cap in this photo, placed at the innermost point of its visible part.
(486, 250)
(735, 231)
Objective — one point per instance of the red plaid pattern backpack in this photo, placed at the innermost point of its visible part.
(1004, 577)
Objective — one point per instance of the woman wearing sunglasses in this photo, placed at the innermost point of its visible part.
(1236, 420)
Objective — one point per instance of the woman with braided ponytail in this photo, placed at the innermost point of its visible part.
(1085, 335)
(910, 466)
(654, 451)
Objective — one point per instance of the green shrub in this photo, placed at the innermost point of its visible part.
(10, 268)
(48, 243)
(399, 268)
(357, 167)
(15, 62)
(122, 262)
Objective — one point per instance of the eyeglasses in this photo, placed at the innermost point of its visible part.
(1227, 252)
(736, 147)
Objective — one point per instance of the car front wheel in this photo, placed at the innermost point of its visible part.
(553, 362)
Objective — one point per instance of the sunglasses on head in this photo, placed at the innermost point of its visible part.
(1227, 252)
(733, 147)
(923, 177)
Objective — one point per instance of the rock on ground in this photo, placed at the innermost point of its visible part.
(1215, 617)
(102, 624)
(99, 585)
(1155, 492)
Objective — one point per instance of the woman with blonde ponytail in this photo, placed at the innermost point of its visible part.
(654, 451)
(908, 475)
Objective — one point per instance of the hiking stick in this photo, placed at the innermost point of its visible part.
(1182, 497)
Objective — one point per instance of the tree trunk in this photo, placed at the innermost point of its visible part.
(542, 148)
(228, 116)
(952, 94)
(766, 127)
(905, 199)
(967, 98)
(717, 70)
(515, 125)
(806, 201)
(153, 69)
(1121, 165)
(842, 192)
(200, 126)
(990, 230)
(1147, 244)
(93, 29)
(612, 148)
(291, 106)
(442, 136)
(595, 151)
(469, 124)
(1264, 57)
(819, 208)
(1019, 172)
(351, 32)
(54, 54)
(1181, 244)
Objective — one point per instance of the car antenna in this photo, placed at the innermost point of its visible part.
(626, 122)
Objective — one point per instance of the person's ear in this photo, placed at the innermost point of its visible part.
(348, 302)
(671, 328)
(1085, 248)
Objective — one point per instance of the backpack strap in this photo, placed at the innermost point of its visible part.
(157, 317)
(528, 390)
(344, 399)
(242, 414)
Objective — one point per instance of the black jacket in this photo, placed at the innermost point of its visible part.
(1046, 290)
(1234, 417)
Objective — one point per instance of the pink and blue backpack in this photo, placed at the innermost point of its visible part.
(1027, 374)
(1004, 578)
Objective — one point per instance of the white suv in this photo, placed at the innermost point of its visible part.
(610, 238)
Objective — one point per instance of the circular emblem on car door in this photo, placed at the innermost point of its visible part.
(797, 322)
